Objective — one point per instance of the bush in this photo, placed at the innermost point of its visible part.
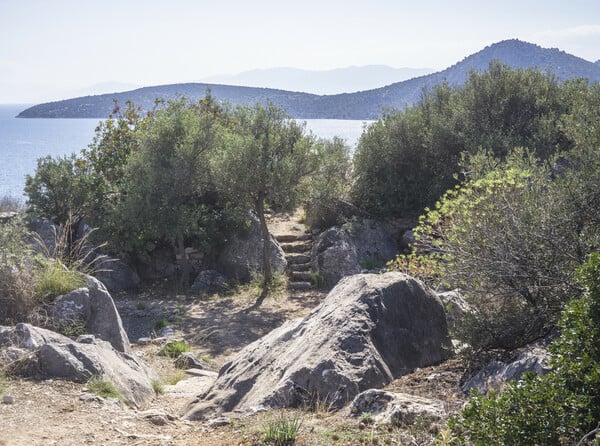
(511, 240)
(554, 409)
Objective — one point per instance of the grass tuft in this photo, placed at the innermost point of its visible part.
(173, 349)
(103, 388)
(281, 431)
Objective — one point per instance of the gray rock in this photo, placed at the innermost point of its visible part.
(369, 330)
(117, 276)
(51, 355)
(352, 248)
(95, 307)
(532, 358)
(242, 256)
(396, 408)
(209, 281)
(188, 360)
(8, 399)
(456, 307)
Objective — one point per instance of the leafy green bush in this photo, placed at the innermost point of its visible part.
(511, 239)
(554, 409)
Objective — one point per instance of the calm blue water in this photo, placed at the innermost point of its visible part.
(23, 141)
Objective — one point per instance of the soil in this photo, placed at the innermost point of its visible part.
(216, 327)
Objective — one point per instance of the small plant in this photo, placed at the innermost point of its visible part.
(173, 349)
(103, 388)
(3, 383)
(141, 306)
(161, 323)
(173, 379)
(158, 387)
(366, 418)
(53, 279)
(281, 431)
(317, 279)
(72, 328)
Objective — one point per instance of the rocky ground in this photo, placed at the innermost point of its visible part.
(216, 327)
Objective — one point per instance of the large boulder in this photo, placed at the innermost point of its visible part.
(117, 276)
(352, 248)
(242, 256)
(93, 308)
(369, 330)
(46, 354)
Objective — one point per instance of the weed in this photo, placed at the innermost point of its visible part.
(158, 387)
(3, 383)
(141, 306)
(173, 349)
(53, 279)
(173, 379)
(317, 279)
(281, 431)
(103, 388)
(161, 323)
(72, 328)
(366, 418)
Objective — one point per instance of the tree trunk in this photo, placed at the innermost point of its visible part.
(260, 211)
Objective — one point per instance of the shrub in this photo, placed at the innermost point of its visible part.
(173, 349)
(554, 409)
(511, 240)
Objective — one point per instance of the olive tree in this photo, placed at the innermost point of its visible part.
(263, 159)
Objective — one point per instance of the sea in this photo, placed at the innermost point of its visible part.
(24, 141)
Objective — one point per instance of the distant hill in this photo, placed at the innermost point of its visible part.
(322, 82)
(361, 105)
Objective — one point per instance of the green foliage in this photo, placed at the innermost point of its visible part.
(281, 431)
(555, 409)
(327, 189)
(407, 159)
(510, 238)
(103, 388)
(59, 189)
(158, 387)
(53, 279)
(174, 349)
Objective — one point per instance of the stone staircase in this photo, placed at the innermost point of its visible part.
(297, 248)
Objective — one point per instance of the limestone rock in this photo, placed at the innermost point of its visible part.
(532, 358)
(51, 355)
(352, 248)
(242, 256)
(396, 408)
(95, 308)
(369, 330)
(188, 360)
(209, 281)
(456, 307)
(117, 276)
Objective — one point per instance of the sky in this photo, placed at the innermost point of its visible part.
(53, 49)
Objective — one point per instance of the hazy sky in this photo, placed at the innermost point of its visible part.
(50, 49)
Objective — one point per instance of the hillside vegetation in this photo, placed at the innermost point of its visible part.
(504, 170)
(360, 105)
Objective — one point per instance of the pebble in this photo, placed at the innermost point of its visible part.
(8, 399)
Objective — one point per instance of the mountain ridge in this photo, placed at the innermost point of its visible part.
(366, 104)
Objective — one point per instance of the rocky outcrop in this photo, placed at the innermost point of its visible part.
(242, 256)
(456, 307)
(93, 308)
(352, 248)
(209, 281)
(117, 276)
(532, 358)
(369, 330)
(396, 408)
(43, 354)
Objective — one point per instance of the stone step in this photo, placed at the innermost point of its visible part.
(300, 266)
(301, 276)
(295, 259)
(300, 286)
(297, 247)
(289, 238)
